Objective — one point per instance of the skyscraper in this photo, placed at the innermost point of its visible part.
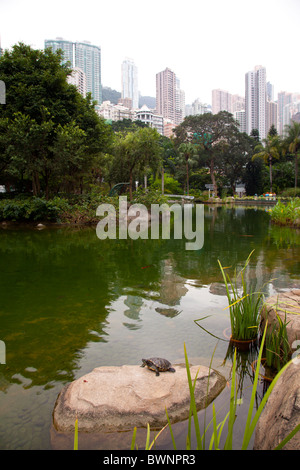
(256, 101)
(130, 82)
(84, 56)
(166, 94)
(65, 46)
(88, 59)
(169, 96)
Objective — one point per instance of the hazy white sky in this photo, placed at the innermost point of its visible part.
(208, 44)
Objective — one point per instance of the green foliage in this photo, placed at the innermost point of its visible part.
(148, 197)
(290, 192)
(136, 152)
(171, 185)
(286, 214)
(212, 136)
(32, 209)
(50, 134)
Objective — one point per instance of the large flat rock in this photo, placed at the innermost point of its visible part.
(119, 398)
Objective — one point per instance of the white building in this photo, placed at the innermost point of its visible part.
(197, 107)
(78, 78)
(130, 82)
(114, 112)
(240, 117)
(288, 106)
(148, 117)
(256, 101)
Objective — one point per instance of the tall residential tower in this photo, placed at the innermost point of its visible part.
(169, 97)
(256, 101)
(130, 82)
(83, 56)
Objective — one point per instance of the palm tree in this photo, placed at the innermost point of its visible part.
(188, 153)
(292, 141)
(268, 151)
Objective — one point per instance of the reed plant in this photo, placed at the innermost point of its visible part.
(244, 304)
(278, 350)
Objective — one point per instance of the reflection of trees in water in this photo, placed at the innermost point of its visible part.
(172, 285)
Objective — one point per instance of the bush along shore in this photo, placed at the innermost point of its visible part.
(70, 210)
(287, 213)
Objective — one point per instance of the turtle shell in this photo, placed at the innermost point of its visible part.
(161, 364)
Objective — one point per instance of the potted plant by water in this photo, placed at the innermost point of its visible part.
(244, 307)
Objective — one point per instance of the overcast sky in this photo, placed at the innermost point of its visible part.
(208, 44)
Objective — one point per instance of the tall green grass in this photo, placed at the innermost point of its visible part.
(244, 304)
(278, 350)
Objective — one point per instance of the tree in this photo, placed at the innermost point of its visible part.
(255, 135)
(42, 110)
(235, 155)
(292, 141)
(208, 132)
(135, 152)
(187, 152)
(268, 152)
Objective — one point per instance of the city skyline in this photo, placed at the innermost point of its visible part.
(209, 46)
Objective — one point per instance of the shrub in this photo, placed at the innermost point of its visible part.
(290, 192)
(286, 214)
(32, 209)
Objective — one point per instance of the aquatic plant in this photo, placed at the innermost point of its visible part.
(277, 350)
(244, 304)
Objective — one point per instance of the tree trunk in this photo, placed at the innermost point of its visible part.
(213, 179)
(187, 177)
(130, 186)
(47, 185)
(162, 180)
(296, 171)
(35, 183)
(271, 176)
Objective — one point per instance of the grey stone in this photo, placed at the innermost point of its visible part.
(119, 398)
(287, 306)
(282, 412)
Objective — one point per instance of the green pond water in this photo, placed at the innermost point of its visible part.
(70, 302)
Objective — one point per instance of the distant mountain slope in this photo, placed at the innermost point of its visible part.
(108, 94)
(148, 101)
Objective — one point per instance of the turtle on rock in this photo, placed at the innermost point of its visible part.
(157, 364)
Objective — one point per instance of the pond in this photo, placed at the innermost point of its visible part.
(71, 302)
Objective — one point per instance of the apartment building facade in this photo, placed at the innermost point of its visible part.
(129, 76)
(170, 99)
(256, 101)
(84, 56)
